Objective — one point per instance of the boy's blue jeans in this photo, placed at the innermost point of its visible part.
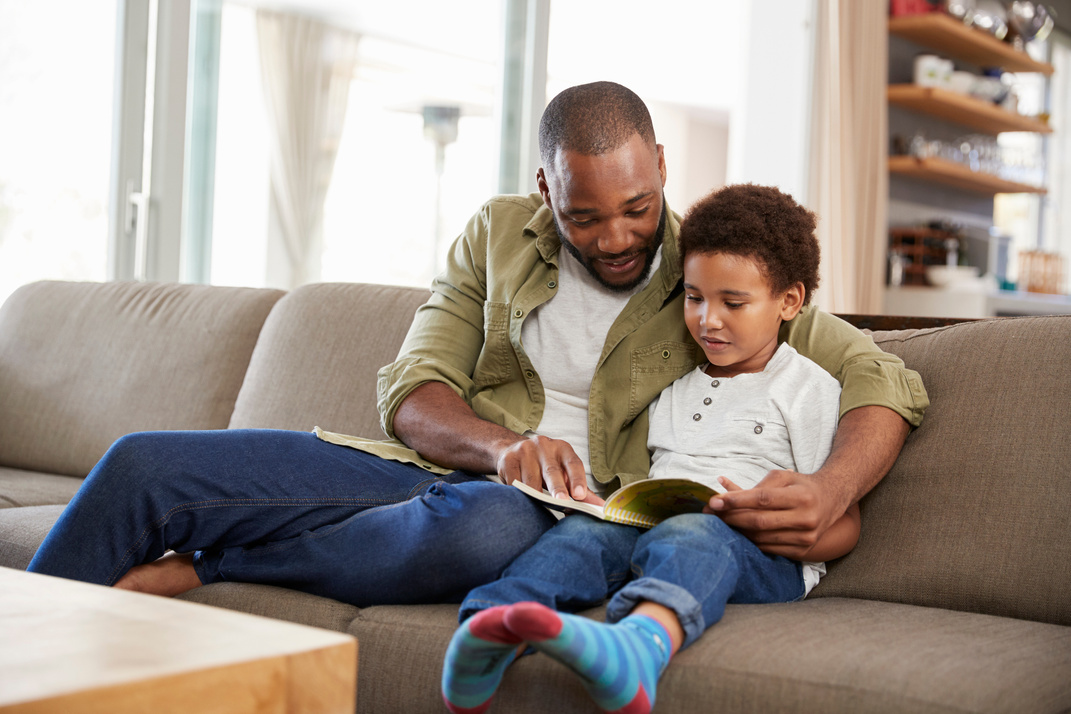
(285, 508)
(692, 564)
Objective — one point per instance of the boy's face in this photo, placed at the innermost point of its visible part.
(732, 313)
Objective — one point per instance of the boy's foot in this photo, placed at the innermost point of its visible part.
(620, 663)
(171, 575)
(478, 655)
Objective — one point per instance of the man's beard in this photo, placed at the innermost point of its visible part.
(648, 257)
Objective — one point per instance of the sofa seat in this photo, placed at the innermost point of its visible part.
(22, 530)
(826, 655)
(19, 487)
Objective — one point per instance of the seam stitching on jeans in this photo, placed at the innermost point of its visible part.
(198, 505)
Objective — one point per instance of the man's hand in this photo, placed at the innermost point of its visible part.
(538, 460)
(785, 514)
(439, 425)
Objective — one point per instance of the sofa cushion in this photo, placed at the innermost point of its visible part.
(976, 513)
(279, 603)
(316, 361)
(21, 532)
(828, 655)
(82, 364)
(33, 488)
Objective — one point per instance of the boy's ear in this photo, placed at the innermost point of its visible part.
(792, 301)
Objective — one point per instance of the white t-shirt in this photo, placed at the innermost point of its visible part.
(564, 338)
(743, 427)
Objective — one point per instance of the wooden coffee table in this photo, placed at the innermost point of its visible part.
(71, 647)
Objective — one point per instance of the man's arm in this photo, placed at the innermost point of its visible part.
(787, 513)
(438, 424)
(422, 395)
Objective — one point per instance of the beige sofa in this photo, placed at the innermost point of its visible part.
(957, 599)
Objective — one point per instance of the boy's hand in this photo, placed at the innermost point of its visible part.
(785, 514)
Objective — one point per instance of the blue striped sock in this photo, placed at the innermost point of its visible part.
(620, 663)
(478, 655)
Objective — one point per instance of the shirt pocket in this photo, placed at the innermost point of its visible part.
(655, 367)
(495, 363)
(761, 436)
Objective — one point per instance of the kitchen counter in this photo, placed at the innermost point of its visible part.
(972, 302)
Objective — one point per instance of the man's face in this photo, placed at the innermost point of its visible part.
(608, 209)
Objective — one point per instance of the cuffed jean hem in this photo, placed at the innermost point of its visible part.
(688, 610)
(200, 568)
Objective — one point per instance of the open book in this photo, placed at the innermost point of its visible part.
(642, 503)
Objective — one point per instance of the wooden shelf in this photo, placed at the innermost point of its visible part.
(953, 174)
(922, 247)
(963, 109)
(950, 36)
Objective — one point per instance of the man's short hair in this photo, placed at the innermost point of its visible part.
(758, 222)
(592, 119)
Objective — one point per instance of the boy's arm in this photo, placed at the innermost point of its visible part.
(838, 540)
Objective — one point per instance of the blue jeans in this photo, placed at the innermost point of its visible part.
(286, 508)
(692, 564)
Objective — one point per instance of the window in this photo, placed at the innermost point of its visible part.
(56, 75)
(1040, 223)
(399, 193)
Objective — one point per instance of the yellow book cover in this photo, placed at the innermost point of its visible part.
(642, 503)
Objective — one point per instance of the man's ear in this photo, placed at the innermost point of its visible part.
(792, 301)
(544, 189)
(661, 162)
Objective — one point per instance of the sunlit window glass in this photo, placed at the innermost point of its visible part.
(56, 74)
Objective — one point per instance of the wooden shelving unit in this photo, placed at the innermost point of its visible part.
(950, 36)
(963, 109)
(922, 247)
(951, 173)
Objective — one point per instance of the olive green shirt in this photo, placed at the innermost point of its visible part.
(505, 264)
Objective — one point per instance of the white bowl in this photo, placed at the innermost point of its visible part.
(944, 276)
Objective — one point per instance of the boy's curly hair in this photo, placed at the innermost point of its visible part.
(759, 222)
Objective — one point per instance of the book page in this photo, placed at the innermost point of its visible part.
(658, 499)
(561, 504)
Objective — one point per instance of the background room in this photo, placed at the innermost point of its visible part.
(275, 144)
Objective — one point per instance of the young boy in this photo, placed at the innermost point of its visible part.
(750, 262)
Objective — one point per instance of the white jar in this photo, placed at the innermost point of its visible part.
(929, 70)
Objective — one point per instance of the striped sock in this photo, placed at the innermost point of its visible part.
(478, 655)
(620, 663)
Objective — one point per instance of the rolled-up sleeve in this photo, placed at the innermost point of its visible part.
(868, 375)
(447, 333)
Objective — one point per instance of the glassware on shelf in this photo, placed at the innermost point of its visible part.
(982, 154)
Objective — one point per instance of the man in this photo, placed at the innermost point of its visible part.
(528, 362)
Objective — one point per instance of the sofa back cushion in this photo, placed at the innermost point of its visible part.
(316, 361)
(82, 364)
(976, 513)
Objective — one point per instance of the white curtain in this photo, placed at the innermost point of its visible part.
(306, 68)
(849, 149)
